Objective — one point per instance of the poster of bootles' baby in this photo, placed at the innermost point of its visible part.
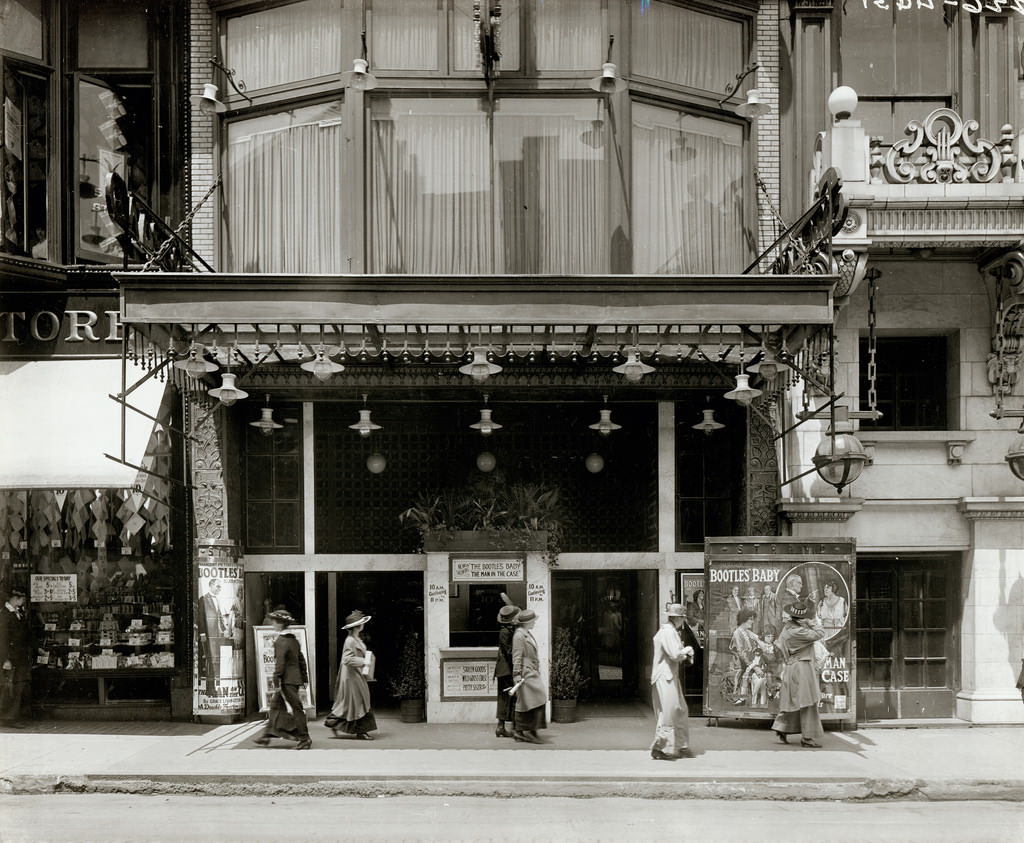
(750, 583)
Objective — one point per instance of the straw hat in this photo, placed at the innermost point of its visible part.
(356, 618)
(507, 614)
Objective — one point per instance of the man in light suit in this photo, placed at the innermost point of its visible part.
(672, 734)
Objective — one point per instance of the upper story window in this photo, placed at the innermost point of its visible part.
(912, 378)
(687, 193)
(901, 63)
(284, 44)
(116, 57)
(445, 196)
(687, 47)
(414, 35)
(285, 192)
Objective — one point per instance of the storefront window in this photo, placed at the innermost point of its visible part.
(112, 33)
(289, 43)
(285, 192)
(687, 47)
(405, 34)
(273, 486)
(444, 199)
(688, 193)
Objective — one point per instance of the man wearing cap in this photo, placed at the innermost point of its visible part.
(800, 693)
(291, 673)
(16, 655)
(672, 734)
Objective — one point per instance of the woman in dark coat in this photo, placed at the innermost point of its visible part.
(800, 693)
(291, 673)
(531, 694)
(351, 713)
(506, 704)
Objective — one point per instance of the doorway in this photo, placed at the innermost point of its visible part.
(907, 652)
(394, 599)
(605, 611)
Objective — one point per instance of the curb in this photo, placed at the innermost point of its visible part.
(791, 789)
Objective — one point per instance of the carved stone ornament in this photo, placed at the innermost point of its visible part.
(209, 497)
(944, 150)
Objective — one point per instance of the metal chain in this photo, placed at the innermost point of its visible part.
(872, 344)
(1000, 342)
(165, 247)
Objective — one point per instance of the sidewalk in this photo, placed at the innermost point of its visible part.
(598, 756)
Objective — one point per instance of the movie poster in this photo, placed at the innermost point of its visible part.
(219, 679)
(749, 583)
(265, 663)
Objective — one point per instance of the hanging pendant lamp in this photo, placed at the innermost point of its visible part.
(708, 423)
(227, 393)
(195, 365)
(634, 368)
(605, 425)
(265, 423)
(486, 425)
(365, 426)
(744, 393)
(321, 366)
(480, 368)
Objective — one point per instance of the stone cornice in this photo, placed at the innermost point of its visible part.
(992, 509)
(820, 510)
(923, 223)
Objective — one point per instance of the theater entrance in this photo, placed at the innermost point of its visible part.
(393, 598)
(610, 615)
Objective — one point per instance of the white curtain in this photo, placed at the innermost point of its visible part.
(285, 44)
(688, 194)
(552, 188)
(404, 35)
(430, 188)
(687, 47)
(284, 197)
(442, 203)
(569, 35)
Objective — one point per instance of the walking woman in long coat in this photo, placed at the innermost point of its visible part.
(799, 694)
(351, 713)
(506, 705)
(672, 729)
(531, 695)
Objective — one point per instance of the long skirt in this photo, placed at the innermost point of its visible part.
(806, 721)
(282, 723)
(364, 724)
(531, 720)
(505, 709)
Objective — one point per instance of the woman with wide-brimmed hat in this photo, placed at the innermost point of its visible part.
(351, 714)
(506, 705)
(531, 694)
(800, 693)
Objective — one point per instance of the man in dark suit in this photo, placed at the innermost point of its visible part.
(16, 655)
(210, 620)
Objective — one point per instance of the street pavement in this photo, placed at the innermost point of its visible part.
(596, 756)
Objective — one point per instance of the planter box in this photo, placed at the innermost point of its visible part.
(478, 541)
(412, 711)
(563, 711)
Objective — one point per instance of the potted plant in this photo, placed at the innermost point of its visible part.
(408, 682)
(566, 677)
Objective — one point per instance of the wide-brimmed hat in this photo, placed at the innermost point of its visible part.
(282, 616)
(17, 592)
(356, 618)
(507, 614)
(675, 610)
(526, 616)
(797, 610)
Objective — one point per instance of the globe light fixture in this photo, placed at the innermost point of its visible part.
(842, 102)
(1015, 456)
(227, 393)
(480, 368)
(486, 461)
(376, 463)
(594, 463)
(839, 459)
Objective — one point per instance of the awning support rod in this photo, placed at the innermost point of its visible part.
(152, 473)
(120, 400)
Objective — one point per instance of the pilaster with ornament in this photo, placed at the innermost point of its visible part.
(209, 495)
(1006, 272)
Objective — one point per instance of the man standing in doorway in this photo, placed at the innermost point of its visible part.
(672, 733)
(16, 658)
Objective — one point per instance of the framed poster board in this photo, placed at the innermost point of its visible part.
(749, 580)
(468, 678)
(265, 637)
